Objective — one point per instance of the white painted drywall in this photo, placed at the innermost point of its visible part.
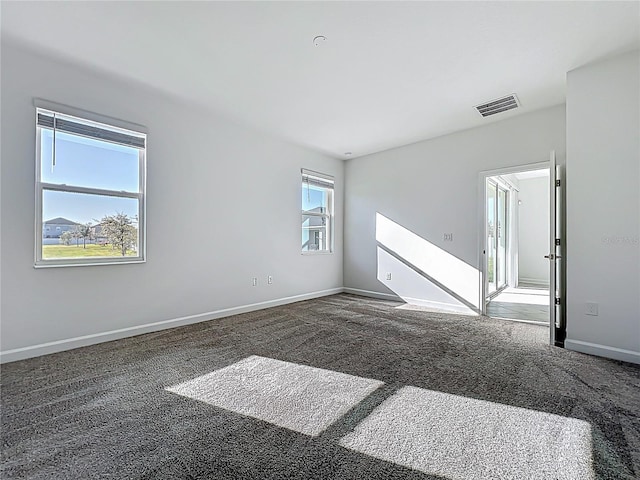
(215, 182)
(533, 230)
(431, 188)
(389, 73)
(603, 205)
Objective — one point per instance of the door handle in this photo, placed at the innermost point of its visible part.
(551, 256)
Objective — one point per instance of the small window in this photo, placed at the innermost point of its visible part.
(317, 212)
(90, 182)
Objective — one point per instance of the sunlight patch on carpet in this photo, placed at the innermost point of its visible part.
(462, 438)
(298, 397)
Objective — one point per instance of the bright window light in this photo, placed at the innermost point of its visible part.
(523, 296)
(458, 278)
(298, 397)
(461, 438)
(90, 191)
(416, 289)
(317, 212)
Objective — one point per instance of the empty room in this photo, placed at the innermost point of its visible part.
(320, 240)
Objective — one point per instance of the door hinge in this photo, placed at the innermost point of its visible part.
(558, 183)
(557, 301)
(557, 241)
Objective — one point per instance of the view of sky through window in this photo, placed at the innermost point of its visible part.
(315, 200)
(87, 162)
(313, 197)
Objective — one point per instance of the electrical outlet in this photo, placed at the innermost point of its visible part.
(591, 309)
(255, 281)
(448, 237)
(388, 276)
(269, 279)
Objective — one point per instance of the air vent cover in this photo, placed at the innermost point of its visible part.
(500, 105)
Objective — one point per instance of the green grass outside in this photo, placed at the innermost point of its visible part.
(73, 251)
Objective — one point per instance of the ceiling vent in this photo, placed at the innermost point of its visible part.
(500, 105)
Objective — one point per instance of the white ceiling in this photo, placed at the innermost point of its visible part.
(390, 73)
(532, 174)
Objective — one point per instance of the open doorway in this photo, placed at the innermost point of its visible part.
(517, 239)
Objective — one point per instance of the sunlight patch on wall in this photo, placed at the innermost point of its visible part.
(414, 288)
(301, 398)
(458, 277)
(462, 438)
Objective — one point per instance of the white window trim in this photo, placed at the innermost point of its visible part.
(41, 186)
(329, 216)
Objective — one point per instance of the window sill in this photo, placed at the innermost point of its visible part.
(45, 264)
(317, 253)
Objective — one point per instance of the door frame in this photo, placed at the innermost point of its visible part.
(482, 219)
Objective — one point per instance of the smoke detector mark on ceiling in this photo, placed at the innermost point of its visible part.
(319, 40)
(500, 105)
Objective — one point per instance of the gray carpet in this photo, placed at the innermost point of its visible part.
(341, 387)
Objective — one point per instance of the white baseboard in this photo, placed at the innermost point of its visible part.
(85, 340)
(447, 307)
(534, 281)
(372, 294)
(440, 306)
(603, 351)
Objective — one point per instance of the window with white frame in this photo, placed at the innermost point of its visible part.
(317, 212)
(90, 190)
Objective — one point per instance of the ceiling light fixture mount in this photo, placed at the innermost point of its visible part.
(348, 154)
(319, 40)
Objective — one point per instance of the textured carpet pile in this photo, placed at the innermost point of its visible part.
(341, 387)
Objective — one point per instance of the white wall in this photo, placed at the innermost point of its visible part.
(603, 207)
(427, 189)
(214, 181)
(533, 230)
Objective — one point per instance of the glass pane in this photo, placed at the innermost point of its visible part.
(314, 233)
(314, 199)
(77, 225)
(86, 162)
(502, 238)
(491, 240)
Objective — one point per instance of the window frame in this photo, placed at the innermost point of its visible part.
(40, 186)
(329, 215)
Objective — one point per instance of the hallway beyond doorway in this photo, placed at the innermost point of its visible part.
(526, 302)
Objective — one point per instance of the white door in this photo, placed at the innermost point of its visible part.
(556, 320)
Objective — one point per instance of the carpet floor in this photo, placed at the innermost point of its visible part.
(341, 387)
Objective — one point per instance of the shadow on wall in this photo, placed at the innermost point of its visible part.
(423, 274)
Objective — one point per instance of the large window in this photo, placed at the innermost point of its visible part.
(317, 212)
(90, 182)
